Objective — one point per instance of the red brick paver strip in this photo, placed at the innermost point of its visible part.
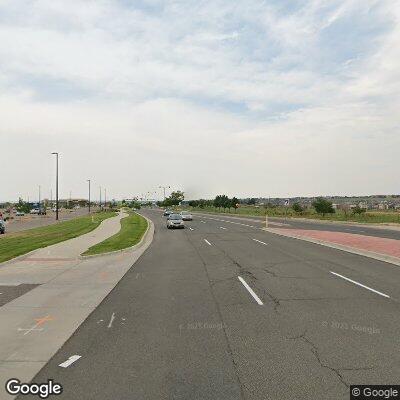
(390, 247)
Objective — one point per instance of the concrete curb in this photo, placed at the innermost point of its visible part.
(136, 246)
(348, 249)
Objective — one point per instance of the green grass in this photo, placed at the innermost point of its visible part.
(377, 217)
(18, 243)
(132, 230)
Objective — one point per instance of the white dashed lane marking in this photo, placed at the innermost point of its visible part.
(70, 361)
(250, 290)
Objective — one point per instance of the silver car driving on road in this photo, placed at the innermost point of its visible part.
(186, 216)
(175, 221)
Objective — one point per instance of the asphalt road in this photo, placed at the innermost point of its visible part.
(181, 325)
(294, 223)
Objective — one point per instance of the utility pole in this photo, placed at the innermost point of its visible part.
(89, 194)
(39, 197)
(56, 154)
(105, 197)
(100, 198)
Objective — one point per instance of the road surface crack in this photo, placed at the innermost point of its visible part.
(316, 352)
(275, 300)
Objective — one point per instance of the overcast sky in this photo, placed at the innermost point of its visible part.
(245, 97)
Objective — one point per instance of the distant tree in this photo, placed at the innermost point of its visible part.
(323, 206)
(297, 208)
(175, 198)
(234, 203)
(23, 206)
(135, 204)
(222, 201)
(218, 201)
(251, 202)
(358, 210)
(193, 203)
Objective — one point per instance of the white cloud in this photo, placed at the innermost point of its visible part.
(245, 92)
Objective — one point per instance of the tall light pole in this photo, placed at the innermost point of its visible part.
(39, 197)
(100, 197)
(89, 194)
(164, 187)
(56, 154)
(105, 197)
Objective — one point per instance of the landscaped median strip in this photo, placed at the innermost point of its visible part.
(133, 227)
(16, 244)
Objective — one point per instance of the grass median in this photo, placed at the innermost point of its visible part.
(15, 244)
(132, 230)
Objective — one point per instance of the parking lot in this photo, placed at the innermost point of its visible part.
(28, 221)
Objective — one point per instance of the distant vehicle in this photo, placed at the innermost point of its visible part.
(167, 212)
(19, 213)
(42, 211)
(54, 209)
(34, 211)
(175, 221)
(2, 227)
(186, 216)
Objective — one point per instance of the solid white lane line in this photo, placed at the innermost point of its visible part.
(221, 227)
(259, 241)
(191, 228)
(256, 298)
(207, 242)
(359, 284)
(70, 361)
(111, 320)
(202, 222)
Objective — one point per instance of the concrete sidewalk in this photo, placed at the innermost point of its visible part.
(35, 325)
(381, 249)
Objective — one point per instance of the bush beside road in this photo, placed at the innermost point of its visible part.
(132, 230)
(19, 243)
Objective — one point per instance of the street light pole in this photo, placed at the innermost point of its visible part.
(89, 194)
(105, 197)
(164, 187)
(56, 154)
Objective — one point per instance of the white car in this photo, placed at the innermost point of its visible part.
(34, 211)
(186, 216)
(19, 214)
(175, 221)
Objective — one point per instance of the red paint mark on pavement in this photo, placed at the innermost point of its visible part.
(40, 321)
(379, 245)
